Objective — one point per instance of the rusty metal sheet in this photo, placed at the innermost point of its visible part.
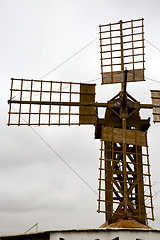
(132, 137)
(87, 96)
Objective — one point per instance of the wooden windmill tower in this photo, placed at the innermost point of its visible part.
(124, 183)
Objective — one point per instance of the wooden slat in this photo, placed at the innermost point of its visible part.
(44, 81)
(60, 99)
(21, 93)
(143, 45)
(110, 134)
(136, 20)
(87, 96)
(130, 55)
(135, 76)
(111, 54)
(70, 99)
(116, 64)
(9, 117)
(30, 106)
(49, 120)
(155, 95)
(39, 121)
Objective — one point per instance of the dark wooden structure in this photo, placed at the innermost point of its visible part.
(124, 162)
(124, 182)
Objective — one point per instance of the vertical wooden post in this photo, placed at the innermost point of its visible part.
(40, 103)
(143, 45)
(101, 52)
(100, 178)
(60, 99)
(133, 50)
(70, 95)
(30, 106)
(108, 184)
(124, 115)
(122, 57)
(19, 119)
(9, 118)
(124, 164)
(49, 120)
(111, 54)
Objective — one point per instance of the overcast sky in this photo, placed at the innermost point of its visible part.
(36, 36)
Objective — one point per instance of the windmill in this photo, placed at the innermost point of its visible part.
(124, 182)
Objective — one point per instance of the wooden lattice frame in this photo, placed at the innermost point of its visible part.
(135, 173)
(40, 102)
(122, 46)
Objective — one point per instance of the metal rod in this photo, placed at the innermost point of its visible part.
(35, 225)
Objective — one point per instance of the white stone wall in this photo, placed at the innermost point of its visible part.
(106, 235)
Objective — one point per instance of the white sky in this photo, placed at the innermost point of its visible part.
(36, 36)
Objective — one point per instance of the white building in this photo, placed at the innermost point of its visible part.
(108, 233)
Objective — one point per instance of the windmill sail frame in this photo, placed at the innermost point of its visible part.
(37, 102)
(122, 46)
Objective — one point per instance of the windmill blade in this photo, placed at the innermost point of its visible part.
(155, 95)
(87, 96)
(37, 102)
(122, 46)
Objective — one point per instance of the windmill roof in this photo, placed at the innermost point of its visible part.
(125, 223)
